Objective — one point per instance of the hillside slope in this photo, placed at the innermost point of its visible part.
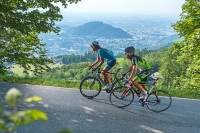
(99, 29)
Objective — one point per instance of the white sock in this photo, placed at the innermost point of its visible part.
(145, 92)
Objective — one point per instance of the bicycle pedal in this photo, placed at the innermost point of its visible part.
(108, 90)
(144, 103)
(141, 100)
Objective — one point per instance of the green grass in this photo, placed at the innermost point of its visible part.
(19, 71)
(182, 93)
(19, 77)
(41, 81)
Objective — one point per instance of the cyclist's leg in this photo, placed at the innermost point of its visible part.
(141, 78)
(136, 83)
(106, 72)
(142, 88)
(106, 75)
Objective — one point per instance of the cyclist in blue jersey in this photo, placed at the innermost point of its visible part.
(103, 55)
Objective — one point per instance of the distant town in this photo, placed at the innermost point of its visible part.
(150, 32)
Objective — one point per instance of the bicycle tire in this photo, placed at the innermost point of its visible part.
(158, 101)
(90, 87)
(119, 83)
(119, 99)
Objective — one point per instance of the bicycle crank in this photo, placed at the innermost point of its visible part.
(108, 91)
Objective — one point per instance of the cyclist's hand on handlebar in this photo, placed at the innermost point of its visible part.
(94, 69)
(89, 67)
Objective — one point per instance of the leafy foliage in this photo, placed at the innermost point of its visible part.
(21, 22)
(68, 59)
(78, 69)
(188, 49)
(9, 121)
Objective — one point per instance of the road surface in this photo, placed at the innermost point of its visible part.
(67, 108)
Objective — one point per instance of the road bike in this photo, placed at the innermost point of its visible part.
(156, 101)
(91, 86)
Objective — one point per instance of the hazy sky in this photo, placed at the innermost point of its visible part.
(128, 6)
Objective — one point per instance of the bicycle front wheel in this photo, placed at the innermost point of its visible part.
(121, 96)
(158, 101)
(90, 87)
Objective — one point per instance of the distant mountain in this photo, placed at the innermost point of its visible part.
(99, 29)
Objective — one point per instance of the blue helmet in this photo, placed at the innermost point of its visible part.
(95, 44)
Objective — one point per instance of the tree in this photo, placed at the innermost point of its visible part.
(20, 24)
(171, 68)
(189, 28)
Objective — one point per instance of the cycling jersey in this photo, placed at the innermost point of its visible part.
(106, 54)
(143, 66)
(140, 63)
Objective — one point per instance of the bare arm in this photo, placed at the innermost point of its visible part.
(134, 70)
(100, 63)
(130, 68)
(95, 62)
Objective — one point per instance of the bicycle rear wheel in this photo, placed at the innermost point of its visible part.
(158, 101)
(121, 96)
(90, 87)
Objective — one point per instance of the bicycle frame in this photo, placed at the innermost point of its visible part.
(157, 100)
(97, 75)
(151, 84)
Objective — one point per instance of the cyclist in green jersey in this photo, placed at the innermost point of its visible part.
(137, 63)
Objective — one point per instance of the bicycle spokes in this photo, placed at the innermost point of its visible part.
(121, 96)
(158, 101)
(92, 84)
(90, 87)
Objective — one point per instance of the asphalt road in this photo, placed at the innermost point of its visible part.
(67, 108)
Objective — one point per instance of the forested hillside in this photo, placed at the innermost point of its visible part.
(99, 29)
(76, 66)
(90, 56)
(179, 63)
(68, 59)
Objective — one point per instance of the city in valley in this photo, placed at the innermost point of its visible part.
(147, 31)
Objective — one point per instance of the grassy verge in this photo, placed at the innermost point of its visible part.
(41, 81)
(182, 93)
